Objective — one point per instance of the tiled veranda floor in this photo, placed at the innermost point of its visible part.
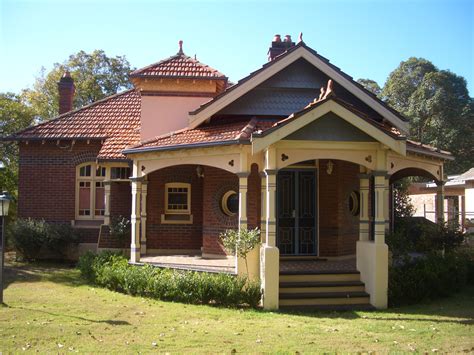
(191, 262)
(196, 262)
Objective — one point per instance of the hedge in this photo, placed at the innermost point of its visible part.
(112, 270)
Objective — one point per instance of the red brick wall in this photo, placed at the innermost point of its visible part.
(46, 185)
(173, 236)
(121, 199)
(254, 197)
(216, 183)
(338, 229)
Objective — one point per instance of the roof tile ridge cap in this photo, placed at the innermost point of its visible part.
(164, 135)
(162, 61)
(247, 130)
(65, 114)
(300, 112)
(207, 66)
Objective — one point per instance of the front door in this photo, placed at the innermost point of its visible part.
(296, 212)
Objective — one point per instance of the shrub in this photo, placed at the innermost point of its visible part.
(120, 227)
(241, 242)
(111, 270)
(28, 236)
(429, 277)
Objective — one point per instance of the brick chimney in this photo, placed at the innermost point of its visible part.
(279, 47)
(66, 90)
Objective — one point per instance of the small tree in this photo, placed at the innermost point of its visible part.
(241, 242)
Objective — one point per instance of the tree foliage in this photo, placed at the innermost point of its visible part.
(370, 85)
(438, 105)
(14, 116)
(95, 75)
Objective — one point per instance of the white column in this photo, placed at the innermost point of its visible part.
(240, 266)
(372, 256)
(269, 253)
(143, 218)
(263, 212)
(440, 202)
(107, 188)
(135, 220)
(364, 207)
(386, 207)
(380, 202)
(243, 187)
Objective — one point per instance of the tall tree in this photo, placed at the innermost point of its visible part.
(439, 107)
(95, 76)
(14, 116)
(370, 85)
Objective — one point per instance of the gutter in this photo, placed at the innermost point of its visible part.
(185, 146)
(430, 153)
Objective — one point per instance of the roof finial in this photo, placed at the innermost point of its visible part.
(300, 37)
(180, 47)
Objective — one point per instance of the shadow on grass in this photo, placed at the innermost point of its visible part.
(459, 305)
(42, 271)
(108, 321)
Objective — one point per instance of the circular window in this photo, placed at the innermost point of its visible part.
(354, 205)
(230, 203)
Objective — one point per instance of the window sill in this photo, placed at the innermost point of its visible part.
(176, 219)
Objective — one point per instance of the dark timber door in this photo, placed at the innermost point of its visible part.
(296, 212)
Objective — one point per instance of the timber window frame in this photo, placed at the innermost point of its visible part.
(90, 190)
(177, 204)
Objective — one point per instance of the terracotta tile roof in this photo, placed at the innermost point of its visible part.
(115, 119)
(179, 66)
(224, 132)
(418, 147)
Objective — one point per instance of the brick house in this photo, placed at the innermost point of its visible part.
(297, 149)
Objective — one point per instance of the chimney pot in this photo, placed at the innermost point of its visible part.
(66, 89)
(278, 47)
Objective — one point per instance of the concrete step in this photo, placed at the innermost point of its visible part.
(328, 307)
(321, 286)
(314, 276)
(324, 298)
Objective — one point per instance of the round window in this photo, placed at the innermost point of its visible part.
(354, 203)
(230, 203)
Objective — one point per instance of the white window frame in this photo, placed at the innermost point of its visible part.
(92, 179)
(178, 185)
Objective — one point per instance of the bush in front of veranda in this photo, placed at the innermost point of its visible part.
(430, 276)
(111, 270)
(29, 236)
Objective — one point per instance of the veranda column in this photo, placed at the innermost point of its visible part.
(263, 212)
(269, 253)
(243, 187)
(386, 207)
(135, 217)
(380, 202)
(364, 207)
(143, 217)
(107, 188)
(440, 202)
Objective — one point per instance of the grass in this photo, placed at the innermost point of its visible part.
(48, 308)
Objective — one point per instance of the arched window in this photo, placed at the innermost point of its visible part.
(90, 192)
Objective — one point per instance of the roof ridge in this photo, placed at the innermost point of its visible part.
(246, 132)
(65, 114)
(162, 61)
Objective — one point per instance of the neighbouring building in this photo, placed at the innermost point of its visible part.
(458, 200)
(297, 149)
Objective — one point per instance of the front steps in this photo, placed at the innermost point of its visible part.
(323, 290)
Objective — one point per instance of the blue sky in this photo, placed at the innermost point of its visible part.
(367, 39)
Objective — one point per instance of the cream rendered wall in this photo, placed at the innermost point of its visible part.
(165, 114)
(424, 202)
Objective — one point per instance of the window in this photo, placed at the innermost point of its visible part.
(177, 198)
(90, 195)
(354, 203)
(120, 173)
(230, 203)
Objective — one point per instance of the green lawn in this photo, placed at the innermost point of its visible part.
(49, 309)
